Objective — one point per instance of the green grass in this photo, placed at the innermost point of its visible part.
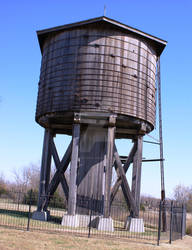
(19, 219)
(10, 216)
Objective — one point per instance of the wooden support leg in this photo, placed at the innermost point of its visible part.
(136, 174)
(73, 170)
(109, 165)
(45, 169)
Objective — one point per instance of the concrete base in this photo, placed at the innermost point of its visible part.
(135, 225)
(84, 220)
(104, 224)
(70, 220)
(78, 220)
(41, 215)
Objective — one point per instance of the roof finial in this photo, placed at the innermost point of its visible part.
(104, 13)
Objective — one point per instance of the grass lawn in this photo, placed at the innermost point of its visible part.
(19, 219)
(51, 235)
(21, 240)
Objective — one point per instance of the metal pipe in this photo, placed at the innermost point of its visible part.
(152, 142)
(161, 144)
(160, 130)
(159, 224)
(171, 224)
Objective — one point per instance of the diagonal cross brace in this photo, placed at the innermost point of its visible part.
(61, 168)
(59, 175)
(124, 184)
(125, 167)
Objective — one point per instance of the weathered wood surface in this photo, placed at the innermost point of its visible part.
(131, 202)
(92, 152)
(59, 176)
(101, 70)
(45, 168)
(125, 168)
(73, 170)
(47, 187)
(136, 173)
(109, 165)
(60, 173)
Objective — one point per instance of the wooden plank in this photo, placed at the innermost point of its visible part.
(92, 150)
(125, 167)
(125, 186)
(136, 174)
(109, 165)
(128, 79)
(63, 166)
(45, 169)
(73, 170)
(57, 177)
(107, 70)
(60, 170)
(138, 83)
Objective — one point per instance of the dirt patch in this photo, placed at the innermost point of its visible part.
(17, 239)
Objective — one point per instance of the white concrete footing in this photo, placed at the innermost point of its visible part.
(134, 225)
(70, 220)
(41, 215)
(105, 224)
(84, 220)
(78, 220)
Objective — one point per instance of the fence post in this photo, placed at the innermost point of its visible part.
(159, 224)
(182, 222)
(18, 202)
(29, 213)
(164, 226)
(91, 204)
(171, 223)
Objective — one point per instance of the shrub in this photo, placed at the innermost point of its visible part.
(142, 207)
(56, 201)
(189, 229)
(34, 197)
(3, 189)
(189, 204)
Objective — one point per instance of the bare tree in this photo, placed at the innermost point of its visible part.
(3, 185)
(184, 195)
(26, 178)
(181, 193)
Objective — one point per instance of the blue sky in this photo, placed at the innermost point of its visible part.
(20, 57)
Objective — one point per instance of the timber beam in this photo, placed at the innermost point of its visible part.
(125, 168)
(59, 176)
(48, 188)
(109, 164)
(136, 173)
(125, 186)
(45, 169)
(73, 168)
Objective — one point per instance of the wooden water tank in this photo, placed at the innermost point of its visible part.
(97, 82)
(99, 66)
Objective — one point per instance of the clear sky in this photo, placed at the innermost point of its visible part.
(21, 138)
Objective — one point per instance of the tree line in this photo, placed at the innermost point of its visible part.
(24, 181)
(28, 178)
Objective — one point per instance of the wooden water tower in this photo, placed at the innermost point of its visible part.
(97, 83)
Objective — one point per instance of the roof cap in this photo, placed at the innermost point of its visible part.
(158, 43)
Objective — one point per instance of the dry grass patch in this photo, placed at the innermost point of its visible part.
(16, 239)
